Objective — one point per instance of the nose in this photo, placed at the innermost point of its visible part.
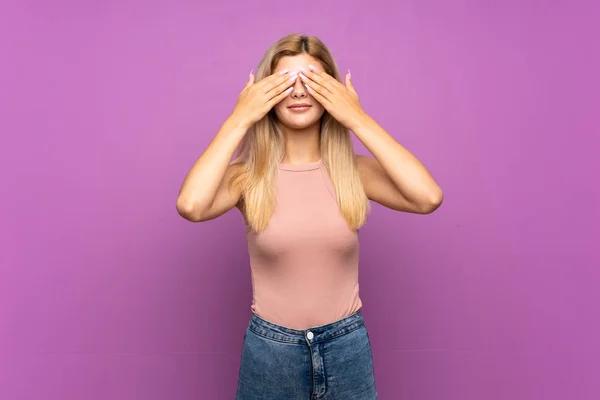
(299, 90)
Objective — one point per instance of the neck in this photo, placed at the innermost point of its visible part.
(302, 145)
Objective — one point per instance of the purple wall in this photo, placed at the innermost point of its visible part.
(105, 293)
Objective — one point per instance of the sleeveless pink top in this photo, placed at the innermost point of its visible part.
(304, 265)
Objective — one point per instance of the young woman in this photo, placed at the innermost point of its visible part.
(304, 194)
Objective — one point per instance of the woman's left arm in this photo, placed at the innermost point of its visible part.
(395, 178)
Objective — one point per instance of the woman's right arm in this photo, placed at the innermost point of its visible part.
(205, 193)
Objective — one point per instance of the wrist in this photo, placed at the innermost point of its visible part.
(239, 122)
(359, 121)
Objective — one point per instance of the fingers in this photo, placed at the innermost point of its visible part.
(315, 88)
(272, 80)
(319, 79)
(276, 90)
(250, 82)
(349, 84)
(318, 96)
(280, 83)
(277, 99)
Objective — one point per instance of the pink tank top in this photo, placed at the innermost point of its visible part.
(304, 265)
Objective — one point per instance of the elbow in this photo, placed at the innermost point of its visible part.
(433, 202)
(188, 210)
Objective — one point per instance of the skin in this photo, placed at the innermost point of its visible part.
(392, 177)
(301, 129)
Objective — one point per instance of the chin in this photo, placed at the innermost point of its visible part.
(299, 122)
(299, 125)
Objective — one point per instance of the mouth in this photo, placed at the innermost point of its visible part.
(299, 107)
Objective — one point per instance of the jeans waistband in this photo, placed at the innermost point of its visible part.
(315, 335)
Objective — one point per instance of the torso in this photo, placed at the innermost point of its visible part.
(304, 265)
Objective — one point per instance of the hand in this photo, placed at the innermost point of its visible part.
(256, 100)
(340, 101)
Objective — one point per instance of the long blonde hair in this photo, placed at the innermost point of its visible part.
(262, 148)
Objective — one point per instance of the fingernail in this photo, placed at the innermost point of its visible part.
(283, 72)
(349, 73)
(313, 67)
(302, 76)
(250, 74)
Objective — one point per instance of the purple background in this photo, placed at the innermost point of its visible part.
(106, 293)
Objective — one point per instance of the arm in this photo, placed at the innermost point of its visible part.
(205, 193)
(395, 178)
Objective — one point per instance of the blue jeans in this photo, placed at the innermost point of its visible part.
(329, 362)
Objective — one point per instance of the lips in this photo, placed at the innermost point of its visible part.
(299, 106)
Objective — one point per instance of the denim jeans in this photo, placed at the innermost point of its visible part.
(329, 362)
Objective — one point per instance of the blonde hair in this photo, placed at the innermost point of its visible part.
(262, 148)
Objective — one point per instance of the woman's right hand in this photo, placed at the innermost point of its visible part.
(256, 100)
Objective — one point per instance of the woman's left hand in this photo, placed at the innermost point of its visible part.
(340, 101)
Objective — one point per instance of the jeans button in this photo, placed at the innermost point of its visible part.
(310, 335)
